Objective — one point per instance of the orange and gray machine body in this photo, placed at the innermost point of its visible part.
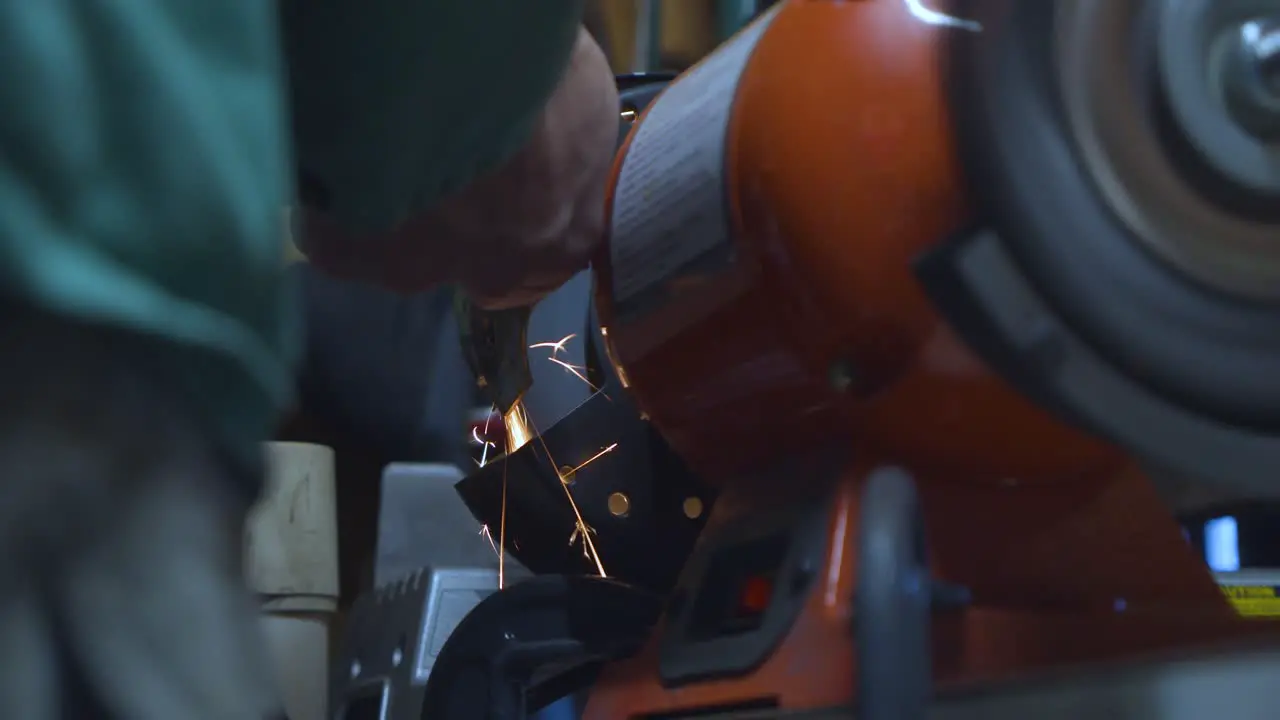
(879, 271)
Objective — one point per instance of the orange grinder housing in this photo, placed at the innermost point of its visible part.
(758, 296)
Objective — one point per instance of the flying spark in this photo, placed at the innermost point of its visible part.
(518, 428)
(520, 431)
(593, 458)
(573, 370)
(580, 529)
(577, 533)
(560, 346)
(556, 347)
(484, 444)
(502, 532)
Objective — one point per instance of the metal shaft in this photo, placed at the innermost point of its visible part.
(1264, 45)
(1252, 77)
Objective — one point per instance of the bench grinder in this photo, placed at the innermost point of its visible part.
(917, 286)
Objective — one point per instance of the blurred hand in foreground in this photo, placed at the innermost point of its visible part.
(516, 234)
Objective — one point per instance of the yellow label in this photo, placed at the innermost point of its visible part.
(1254, 600)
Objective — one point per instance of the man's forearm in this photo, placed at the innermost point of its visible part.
(396, 105)
(517, 229)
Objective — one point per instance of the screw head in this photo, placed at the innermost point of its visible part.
(619, 504)
(692, 507)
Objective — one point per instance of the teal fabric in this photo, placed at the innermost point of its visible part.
(143, 166)
(145, 158)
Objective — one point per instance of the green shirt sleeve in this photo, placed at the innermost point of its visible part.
(145, 157)
(398, 102)
(143, 165)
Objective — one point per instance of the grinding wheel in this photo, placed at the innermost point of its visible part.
(1113, 206)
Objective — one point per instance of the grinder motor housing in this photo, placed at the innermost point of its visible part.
(882, 255)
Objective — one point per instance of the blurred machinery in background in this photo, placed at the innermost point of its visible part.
(912, 289)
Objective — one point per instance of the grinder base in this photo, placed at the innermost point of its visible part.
(836, 601)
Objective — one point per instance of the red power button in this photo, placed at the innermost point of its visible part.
(755, 595)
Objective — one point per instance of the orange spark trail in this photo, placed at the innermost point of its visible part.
(593, 458)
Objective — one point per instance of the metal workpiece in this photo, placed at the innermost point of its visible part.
(643, 507)
(393, 636)
(495, 344)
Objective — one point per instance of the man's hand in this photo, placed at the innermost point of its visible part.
(529, 227)
(516, 234)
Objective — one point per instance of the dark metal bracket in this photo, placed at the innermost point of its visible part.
(894, 602)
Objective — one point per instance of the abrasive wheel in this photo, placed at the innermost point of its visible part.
(1127, 153)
